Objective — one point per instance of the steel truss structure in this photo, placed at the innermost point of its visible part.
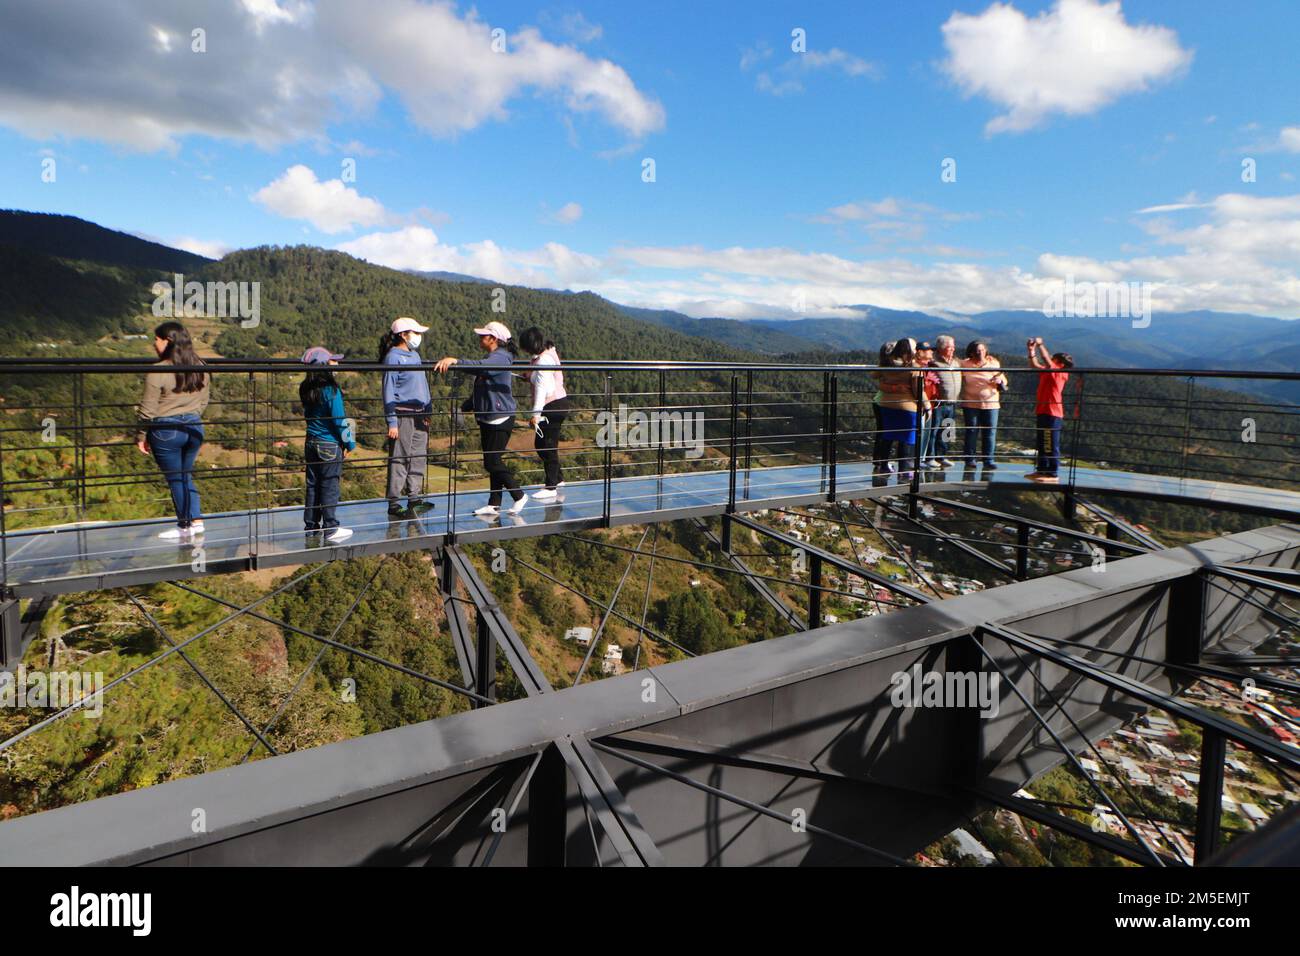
(790, 750)
(584, 775)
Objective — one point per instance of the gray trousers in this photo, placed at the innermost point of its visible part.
(406, 457)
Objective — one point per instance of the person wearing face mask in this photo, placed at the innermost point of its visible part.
(407, 408)
(493, 405)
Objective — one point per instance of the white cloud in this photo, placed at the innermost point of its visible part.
(574, 26)
(277, 73)
(202, 247)
(755, 54)
(789, 76)
(418, 248)
(1073, 59)
(330, 206)
(1241, 256)
(1289, 139)
(568, 214)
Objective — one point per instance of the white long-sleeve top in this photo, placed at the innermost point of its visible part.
(548, 386)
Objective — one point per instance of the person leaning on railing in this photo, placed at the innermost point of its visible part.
(171, 426)
(982, 382)
(493, 405)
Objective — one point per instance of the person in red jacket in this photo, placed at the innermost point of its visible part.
(1049, 408)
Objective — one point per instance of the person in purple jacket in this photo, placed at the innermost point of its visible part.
(493, 405)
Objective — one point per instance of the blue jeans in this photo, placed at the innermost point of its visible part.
(1049, 444)
(981, 422)
(324, 476)
(175, 444)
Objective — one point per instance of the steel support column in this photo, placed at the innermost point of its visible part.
(1209, 794)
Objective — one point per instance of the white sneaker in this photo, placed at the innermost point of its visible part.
(546, 494)
(339, 534)
(518, 506)
(173, 534)
(197, 527)
(560, 484)
(487, 510)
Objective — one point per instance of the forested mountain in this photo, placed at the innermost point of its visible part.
(71, 238)
(83, 293)
(314, 296)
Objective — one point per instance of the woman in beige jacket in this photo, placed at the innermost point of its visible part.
(171, 428)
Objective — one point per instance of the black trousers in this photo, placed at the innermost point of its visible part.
(495, 438)
(548, 441)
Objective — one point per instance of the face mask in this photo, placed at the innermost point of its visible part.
(413, 339)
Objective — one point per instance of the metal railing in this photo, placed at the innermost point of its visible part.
(67, 422)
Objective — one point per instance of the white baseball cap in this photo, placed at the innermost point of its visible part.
(407, 325)
(495, 328)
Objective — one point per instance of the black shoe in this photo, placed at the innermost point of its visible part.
(990, 466)
(398, 512)
(422, 506)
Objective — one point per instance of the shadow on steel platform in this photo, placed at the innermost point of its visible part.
(96, 555)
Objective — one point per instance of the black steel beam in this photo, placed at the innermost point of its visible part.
(1209, 795)
(757, 583)
(1033, 523)
(456, 622)
(624, 831)
(837, 561)
(969, 549)
(1071, 827)
(1257, 742)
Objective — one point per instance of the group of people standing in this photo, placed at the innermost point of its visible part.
(171, 425)
(920, 387)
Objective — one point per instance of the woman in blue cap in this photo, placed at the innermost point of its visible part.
(329, 441)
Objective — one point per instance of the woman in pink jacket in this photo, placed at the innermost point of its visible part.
(982, 383)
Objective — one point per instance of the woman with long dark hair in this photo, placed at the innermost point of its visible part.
(171, 426)
(902, 403)
(329, 441)
(493, 405)
(407, 407)
(550, 406)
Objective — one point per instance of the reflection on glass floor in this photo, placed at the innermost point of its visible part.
(104, 554)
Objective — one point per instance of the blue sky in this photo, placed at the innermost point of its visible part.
(786, 182)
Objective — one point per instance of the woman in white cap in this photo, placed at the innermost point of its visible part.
(407, 408)
(493, 404)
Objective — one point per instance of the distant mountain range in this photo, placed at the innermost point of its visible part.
(1201, 339)
(36, 247)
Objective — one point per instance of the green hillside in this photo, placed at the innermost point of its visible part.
(68, 237)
